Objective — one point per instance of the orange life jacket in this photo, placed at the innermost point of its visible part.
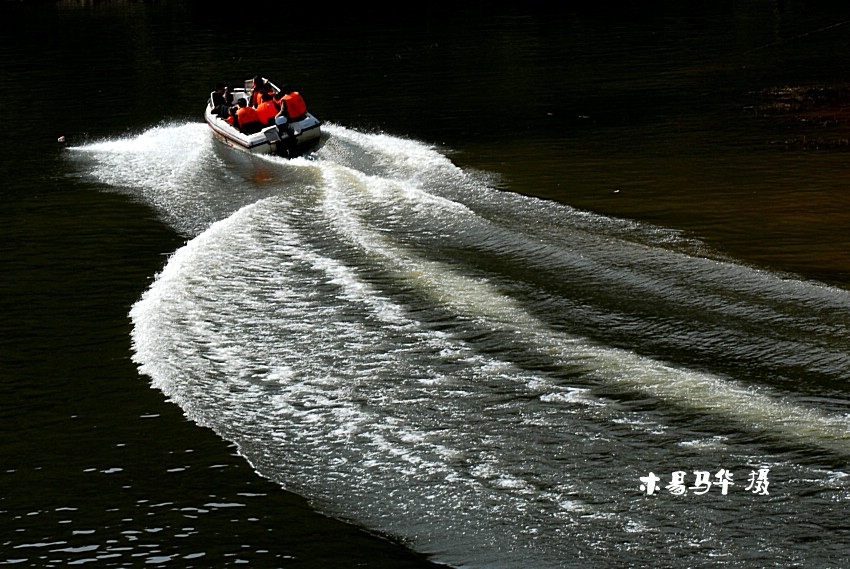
(295, 105)
(267, 111)
(256, 98)
(246, 115)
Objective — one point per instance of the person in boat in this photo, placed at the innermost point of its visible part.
(260, 87)
(219, 100)
(293, 106)
(268, 109)
(247, 119)
(231, 118)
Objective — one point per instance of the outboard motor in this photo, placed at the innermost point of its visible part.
(282, 126)
(288, 144)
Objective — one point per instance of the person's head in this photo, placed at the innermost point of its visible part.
(286, 89)
(259, 82)
(242, 102)
(220, 87)
(267, 96)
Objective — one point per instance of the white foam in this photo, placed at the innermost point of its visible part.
(325, 332)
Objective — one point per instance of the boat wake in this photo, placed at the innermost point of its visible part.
(483, 374)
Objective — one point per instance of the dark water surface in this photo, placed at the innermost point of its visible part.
(542, 253)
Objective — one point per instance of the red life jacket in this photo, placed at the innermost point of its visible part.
(267, 111)
(245, 116)
(295, 105)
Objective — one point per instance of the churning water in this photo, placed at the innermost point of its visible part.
(485, 375)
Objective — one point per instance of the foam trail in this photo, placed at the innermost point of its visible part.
(481, 373)
(330, 386)
(478, 299)
(185, 175)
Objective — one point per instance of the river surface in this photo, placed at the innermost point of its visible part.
(560, 288)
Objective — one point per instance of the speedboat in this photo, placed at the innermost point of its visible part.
(284, 138)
